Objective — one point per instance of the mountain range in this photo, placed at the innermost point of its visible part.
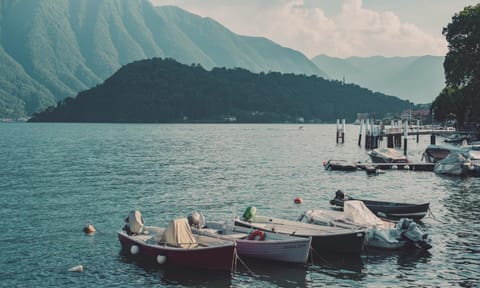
(418, 78)
(53, 49)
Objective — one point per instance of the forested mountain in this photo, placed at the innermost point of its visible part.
(417, 79)
(158, 90)
(52, 49)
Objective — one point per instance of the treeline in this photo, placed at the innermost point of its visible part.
(163, 90)
(460, 99)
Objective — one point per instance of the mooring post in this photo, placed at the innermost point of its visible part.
(360, 134)
(368, 138)
(343, 130)
(432, 139)
(418, 131)
(405, 134)
(338, 131)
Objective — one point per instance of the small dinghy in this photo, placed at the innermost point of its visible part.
(384, 209)
(383, 234)
(255, 243)
(176, 245)
(387, 155)
(340, 165)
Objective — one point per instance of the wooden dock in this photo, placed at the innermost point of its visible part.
(398, 166)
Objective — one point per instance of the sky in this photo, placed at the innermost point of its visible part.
(337, 28)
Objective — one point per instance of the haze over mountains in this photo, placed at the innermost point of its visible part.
(53, 49)
(418, 78)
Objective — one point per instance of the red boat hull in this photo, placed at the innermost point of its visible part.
(213, 258)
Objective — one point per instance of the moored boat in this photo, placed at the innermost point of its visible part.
(385, 209)
(383, 234)
(436, 152)
(387, 155)
(463, 163)
(340, 165)
(325, 240)
(176, 245)
(253, 243)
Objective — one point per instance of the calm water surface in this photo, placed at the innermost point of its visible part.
(55, 177)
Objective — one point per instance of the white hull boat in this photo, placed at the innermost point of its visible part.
(258, 244)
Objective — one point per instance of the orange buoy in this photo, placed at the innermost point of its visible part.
(89, 229)
(298, 200)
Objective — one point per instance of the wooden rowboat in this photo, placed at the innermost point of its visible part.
(325, 240)
(260, 244)
(177, 246)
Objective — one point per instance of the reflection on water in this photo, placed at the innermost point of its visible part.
(176, 276)
(269, 272)
(54, 177)
(403, 257)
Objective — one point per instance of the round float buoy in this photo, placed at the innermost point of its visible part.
(78, 268)
(161, 259)
(89, 229)
(298, 200)
(134, 249)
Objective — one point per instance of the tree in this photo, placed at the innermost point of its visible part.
(462, 68)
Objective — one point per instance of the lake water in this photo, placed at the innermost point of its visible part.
(55, 177)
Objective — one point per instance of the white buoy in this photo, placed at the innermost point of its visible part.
(78, 268)
(161, 259)
(134, 249)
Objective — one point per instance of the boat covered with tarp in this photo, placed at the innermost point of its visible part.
(383, 234)
(176, 245)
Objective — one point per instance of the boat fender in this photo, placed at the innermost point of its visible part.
(161, 259)
(134, 249)
(254, 234)
(250, 213)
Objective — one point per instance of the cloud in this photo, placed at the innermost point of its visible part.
(352, 31)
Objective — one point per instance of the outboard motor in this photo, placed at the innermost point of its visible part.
(196, 220)
(412, 233)
(339, 195)
(135, 223)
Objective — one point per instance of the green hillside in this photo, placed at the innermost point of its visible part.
(52, 49)
(158, 91)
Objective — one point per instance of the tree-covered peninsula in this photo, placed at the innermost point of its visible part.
(163, 90)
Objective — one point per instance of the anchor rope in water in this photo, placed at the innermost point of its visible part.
(430, 213)
(244, 265)
(329, 265)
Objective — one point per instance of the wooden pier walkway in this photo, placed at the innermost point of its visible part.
(399, 166)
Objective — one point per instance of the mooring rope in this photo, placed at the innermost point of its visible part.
(245, 265)
(320, 258)
(430, 213)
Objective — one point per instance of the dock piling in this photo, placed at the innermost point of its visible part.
(405, 134)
